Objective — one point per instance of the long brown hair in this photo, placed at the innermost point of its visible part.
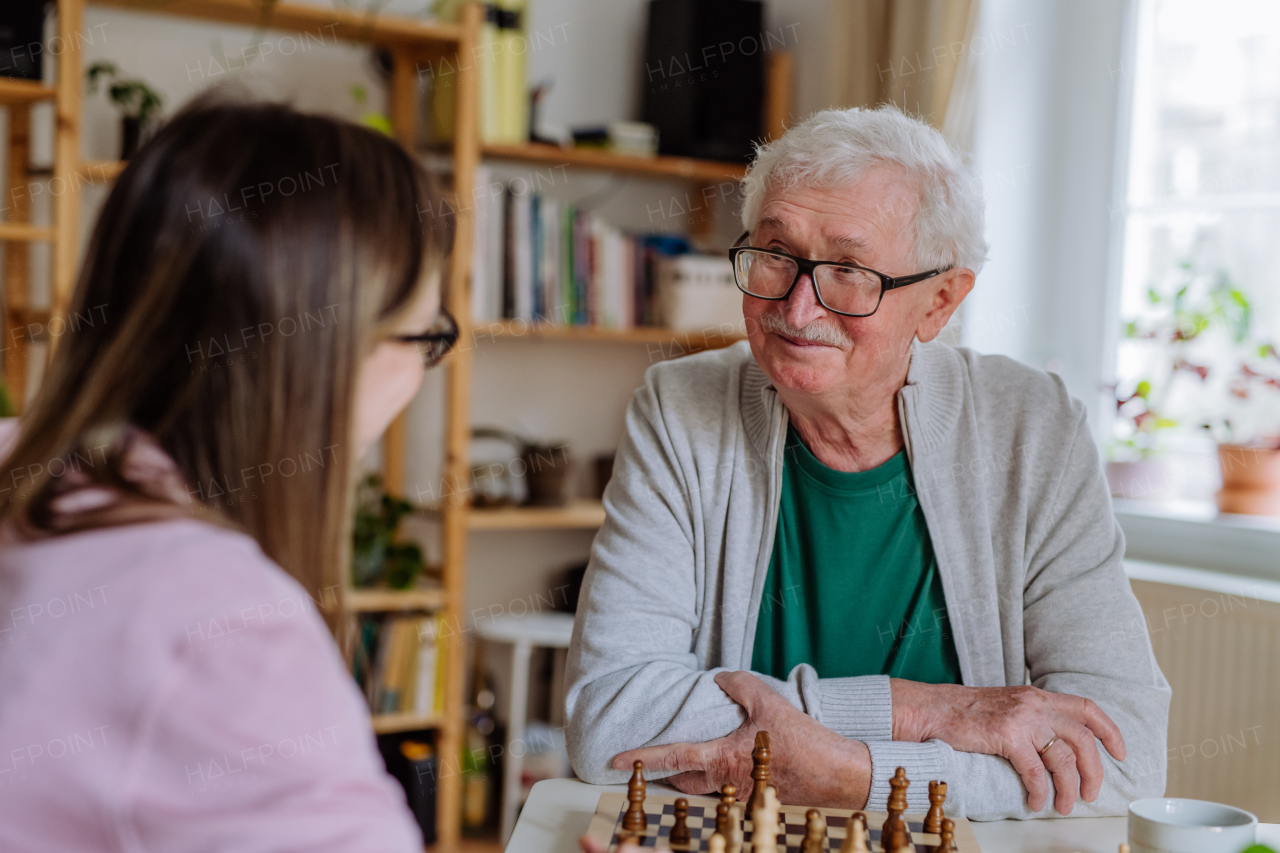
(239, 271)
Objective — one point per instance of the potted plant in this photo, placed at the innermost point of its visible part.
(376, 558)
(1134, 466)
(137, 103)
(1248, 435)
(1203, 365)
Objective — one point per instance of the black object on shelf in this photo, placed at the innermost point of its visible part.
(21, 39)
(703, 77)
(411, 758)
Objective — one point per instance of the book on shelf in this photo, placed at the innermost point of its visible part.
(540, 259)
(397, 663)
(500, 60)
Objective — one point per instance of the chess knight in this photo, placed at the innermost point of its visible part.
(883, 549)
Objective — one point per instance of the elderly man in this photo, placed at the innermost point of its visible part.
(883, 550)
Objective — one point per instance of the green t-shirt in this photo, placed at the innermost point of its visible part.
(853, 586)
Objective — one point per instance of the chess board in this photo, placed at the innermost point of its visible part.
(606, 825)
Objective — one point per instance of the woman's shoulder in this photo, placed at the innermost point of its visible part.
(186, 579)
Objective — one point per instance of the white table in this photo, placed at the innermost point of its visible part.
(544, 630)
(558, 811)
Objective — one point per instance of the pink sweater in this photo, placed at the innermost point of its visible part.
(166, 687)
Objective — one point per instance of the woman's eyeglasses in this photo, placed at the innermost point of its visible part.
(435, 343)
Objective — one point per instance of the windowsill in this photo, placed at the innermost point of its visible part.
(1195, 535)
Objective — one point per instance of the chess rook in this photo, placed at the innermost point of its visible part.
(937, 796)
(635, 819)
(760, 757)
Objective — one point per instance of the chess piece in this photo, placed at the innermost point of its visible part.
(635, 819)
(760, 757)
(680, 830)
(899, 840)
(937, 796)
(728, 793)
(1124, 848)
(855, 835)
(724, 816)
(764, 824)
(815, 832)
(735, 828)
(715, 844)
(947, 838)
(897, 805)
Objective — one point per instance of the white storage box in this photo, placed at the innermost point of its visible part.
(696, 293)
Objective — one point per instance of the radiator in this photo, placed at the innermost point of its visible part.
(1218, 643)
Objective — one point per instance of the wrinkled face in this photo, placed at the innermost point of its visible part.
(801, 345)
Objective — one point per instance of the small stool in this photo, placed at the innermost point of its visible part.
(544, 630)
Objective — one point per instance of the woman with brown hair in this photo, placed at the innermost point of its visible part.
(256, 304)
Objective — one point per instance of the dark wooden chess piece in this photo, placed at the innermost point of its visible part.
(937, 796)
(724, 814)
(899, 840)
(760, 757)
(815, 832)
(897, 805)
(635, 819)
(680, 830)
(947, 837)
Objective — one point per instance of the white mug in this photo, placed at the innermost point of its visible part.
(1168, 825)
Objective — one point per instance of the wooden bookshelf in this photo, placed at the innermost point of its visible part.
(15, 92)
(101, 170)
(26, 232)
(576, 515)
(377, 600)
(384, 724)
(411, 42)
(681, 168)
(671, 340)
(423, 37)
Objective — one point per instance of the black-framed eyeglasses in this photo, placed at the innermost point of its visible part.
(841, 288)
(435, 343)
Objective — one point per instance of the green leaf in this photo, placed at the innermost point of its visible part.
(378, 122)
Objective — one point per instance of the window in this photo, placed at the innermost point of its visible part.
(1200, 279)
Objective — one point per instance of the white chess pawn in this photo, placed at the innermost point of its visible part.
(764, 836)
(716, 843)
(855, 838)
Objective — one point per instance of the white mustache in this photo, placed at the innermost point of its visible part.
(819, 331)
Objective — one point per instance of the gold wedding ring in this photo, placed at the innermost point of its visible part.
(1049, 745)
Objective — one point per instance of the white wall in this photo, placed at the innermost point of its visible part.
(1045, 145)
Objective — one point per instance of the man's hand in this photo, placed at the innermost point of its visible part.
(811, 764)
(1016, 723)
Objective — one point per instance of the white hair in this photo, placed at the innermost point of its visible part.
(834, 148)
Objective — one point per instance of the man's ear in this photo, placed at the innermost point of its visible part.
(949, 290)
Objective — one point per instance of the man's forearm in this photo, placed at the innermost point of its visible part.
(860, 708)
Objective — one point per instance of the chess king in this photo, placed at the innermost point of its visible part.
(882, 549)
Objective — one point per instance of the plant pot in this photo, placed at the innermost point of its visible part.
(1141, 479)
(546, 474)
(130, 136)
(1250, 480)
